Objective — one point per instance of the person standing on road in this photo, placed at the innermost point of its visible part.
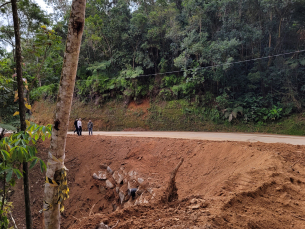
(90, 127)
(76, 128)
(79, 126)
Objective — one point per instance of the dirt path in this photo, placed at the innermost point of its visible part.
(212, 136)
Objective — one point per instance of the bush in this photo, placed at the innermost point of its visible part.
(165, 94)
(47, 91)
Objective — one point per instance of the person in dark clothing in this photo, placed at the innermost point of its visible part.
(76, 128)
(90, 127)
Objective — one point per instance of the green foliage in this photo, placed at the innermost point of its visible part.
(4, 221)
(231, 113)
(14, 150)
(171, 80)
(47, 91)
(211, 49)
(165, 94)
(7, 105)
(8, 127)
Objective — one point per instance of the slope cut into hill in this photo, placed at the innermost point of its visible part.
(220, 184)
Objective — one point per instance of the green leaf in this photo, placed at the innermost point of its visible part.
(5, 155)
(43, 166)
(15, 153)
(5, 170)
(44, 129)
(31, 151)
(33, 163)
(43, 137)
(8, 127)
(18, 141)
(9, 175)
(20, 154)
(18, 173)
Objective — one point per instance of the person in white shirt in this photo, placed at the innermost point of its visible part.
(79, 126)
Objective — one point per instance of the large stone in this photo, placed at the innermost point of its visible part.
(118, 177)
(100, 176)
(122, 197)
(140, 180)
(102, 226)
(109, 170)
(95, 176)
(133, 175)
(141, 200)
(109, 184)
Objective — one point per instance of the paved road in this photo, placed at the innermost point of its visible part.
(267, 138)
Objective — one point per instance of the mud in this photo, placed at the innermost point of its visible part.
(220, 184)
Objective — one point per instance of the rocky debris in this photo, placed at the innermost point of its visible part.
(132, 192)
(133, 175)
(132, 184)
(129, 188)
(139, 191)
(140, 180)
(109, 184)
(118, 177)
(102, 226)
(122, 196)
(142, 199)
(105, 226)
(109, 170)
(101, 175)
(197, 203)
(123, 171)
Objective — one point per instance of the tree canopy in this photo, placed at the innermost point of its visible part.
(225, 54)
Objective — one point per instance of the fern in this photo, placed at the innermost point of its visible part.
(231, 113)
(8, 127)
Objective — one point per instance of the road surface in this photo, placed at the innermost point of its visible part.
(243, 137)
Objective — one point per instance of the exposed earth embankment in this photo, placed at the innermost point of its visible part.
(220, 184)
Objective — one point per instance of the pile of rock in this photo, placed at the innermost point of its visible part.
(130, 188)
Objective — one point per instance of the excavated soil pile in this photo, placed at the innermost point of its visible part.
(220, 184)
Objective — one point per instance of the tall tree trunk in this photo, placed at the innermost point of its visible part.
(29, 224)
(63, 108)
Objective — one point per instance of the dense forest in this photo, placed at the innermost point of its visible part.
(230, 58)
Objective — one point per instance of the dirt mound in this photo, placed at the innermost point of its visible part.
(220, 184)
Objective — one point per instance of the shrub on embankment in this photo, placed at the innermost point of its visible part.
(177, 115)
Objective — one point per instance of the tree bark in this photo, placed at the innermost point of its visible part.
(18, 66)
(63, 108)
(29, 224)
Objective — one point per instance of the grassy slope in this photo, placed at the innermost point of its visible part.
(167, 116)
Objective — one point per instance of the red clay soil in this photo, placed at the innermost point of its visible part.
(220, 184)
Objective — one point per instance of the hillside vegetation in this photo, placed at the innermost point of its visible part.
(219, 62)
(176, 115)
